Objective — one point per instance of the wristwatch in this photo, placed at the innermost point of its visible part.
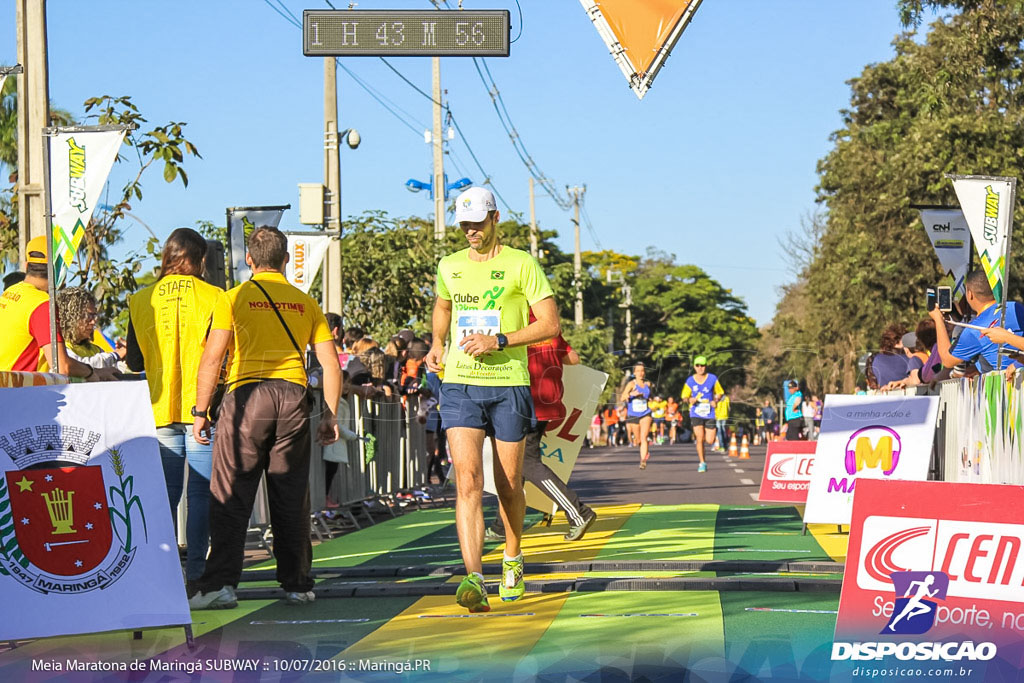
(502, 341)
(199, 413)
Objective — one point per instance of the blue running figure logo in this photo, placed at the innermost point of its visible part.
(914, 612)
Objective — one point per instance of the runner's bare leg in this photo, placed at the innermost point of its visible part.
(466, 446)
(508, 480)
(698, 436)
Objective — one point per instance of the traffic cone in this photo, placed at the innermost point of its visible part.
(732, 446)
(745, 449)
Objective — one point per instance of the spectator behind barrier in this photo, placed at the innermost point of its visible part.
(890, 363)
(76, 315)
(972, 346)
(167, 327)
(12, 279)
(25, 344)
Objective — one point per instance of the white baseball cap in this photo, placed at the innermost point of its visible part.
(473, 204)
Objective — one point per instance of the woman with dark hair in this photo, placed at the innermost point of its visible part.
(890, 363)
(167, 327)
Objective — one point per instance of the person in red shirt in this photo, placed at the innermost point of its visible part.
(545, 361)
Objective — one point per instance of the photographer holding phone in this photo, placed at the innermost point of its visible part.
(979, 346)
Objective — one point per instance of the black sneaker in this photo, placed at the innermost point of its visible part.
(576, 532)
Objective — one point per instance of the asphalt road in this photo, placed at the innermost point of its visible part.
(605, 476)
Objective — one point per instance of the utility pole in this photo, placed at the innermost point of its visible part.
(332, 180)
(533, 223)
(438, 183)
(33, 116)
(576, 193)
(627, 303)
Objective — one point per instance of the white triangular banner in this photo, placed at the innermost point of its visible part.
(988, 207)
(951, 239)
(305, 256)
(80, 162)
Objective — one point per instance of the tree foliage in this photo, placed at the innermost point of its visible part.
(9, 165)
(110, 279)
(388, 275)
(949, 104)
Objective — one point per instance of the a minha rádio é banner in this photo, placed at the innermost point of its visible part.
(86, 540)
(867, 437)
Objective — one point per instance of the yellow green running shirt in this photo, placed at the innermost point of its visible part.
(489, 297)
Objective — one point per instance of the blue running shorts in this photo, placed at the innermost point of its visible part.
(507, 411)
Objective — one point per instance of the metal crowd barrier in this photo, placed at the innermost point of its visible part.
(979, 435)
(398, 463)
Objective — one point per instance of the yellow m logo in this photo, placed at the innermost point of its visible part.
(881, 454)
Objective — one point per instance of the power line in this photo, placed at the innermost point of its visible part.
(590, 227)
(462, 136)
(286, 14)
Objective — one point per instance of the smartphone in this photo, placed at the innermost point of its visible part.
(932, 300)
(945, 297)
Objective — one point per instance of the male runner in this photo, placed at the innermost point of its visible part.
(484, 296)
(702, 392)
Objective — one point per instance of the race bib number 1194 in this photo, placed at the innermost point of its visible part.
(477, 322)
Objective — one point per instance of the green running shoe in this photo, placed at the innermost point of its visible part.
(512, 586)
(472, 594)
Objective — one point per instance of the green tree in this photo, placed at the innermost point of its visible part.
(9, 165)
(951, 103)
(112, 280)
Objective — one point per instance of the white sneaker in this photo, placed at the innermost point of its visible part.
(295, 598)
(223, 599)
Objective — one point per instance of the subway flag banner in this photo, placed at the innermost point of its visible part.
(241, 222)
(988, 207)
(951, 239)
(562, 441)
(86, 540)
(867, 437)
(80, 162)
(936, 562)
(787, 472)
(305, 256)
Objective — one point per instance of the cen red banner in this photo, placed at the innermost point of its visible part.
(787, 472)
(947, 552)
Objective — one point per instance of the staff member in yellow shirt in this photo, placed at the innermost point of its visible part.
(167, 327)
(25, 321)
(263, 423)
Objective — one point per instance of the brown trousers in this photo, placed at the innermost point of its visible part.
(262, 427)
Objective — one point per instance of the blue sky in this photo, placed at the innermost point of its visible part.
(715, 165)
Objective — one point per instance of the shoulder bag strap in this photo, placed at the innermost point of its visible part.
(291, 338)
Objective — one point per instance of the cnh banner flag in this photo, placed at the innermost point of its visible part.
(951, 239)
(305, 256)
(242, 221)
(80, 162)
(86, 540)
(988, 206)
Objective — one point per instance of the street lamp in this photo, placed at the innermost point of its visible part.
(414, 185)
(351, 137)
